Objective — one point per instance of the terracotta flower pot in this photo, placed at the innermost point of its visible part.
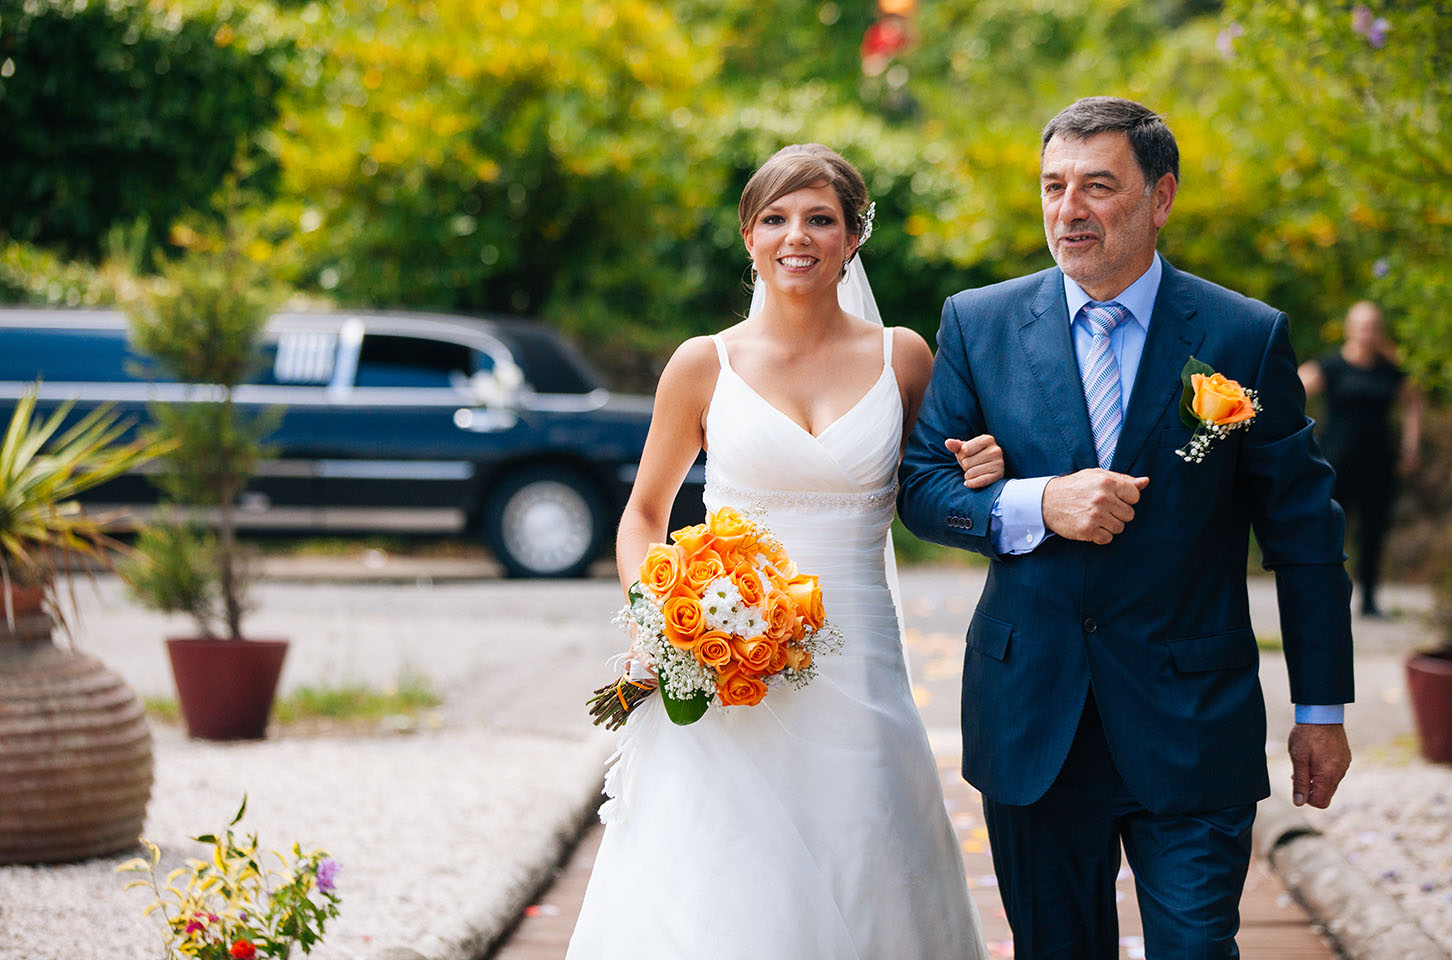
(75, 751)
(1429, 682)
(226, 687)
(26, 600)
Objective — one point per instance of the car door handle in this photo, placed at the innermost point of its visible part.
(484, 420)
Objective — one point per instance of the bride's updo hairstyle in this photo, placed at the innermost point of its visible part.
(805, 165)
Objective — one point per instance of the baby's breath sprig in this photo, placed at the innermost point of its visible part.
(1206, 435)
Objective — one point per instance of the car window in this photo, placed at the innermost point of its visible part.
(550, 364)
(303, 357)
(392, 361)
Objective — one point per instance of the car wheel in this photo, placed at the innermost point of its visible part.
(545, 522)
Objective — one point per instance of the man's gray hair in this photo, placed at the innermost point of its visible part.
(1149, 138)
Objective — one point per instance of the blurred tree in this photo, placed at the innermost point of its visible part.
(480, 156)
(118, 112)
(581, 160)
(1370, 92)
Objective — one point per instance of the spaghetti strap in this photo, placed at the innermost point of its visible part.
(720, 351)
(887, 346)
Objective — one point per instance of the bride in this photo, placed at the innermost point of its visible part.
(810, 826)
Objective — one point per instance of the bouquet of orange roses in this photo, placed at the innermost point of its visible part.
(721, 612)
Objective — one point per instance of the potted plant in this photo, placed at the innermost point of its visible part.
(202, 327)
(75, 748)
(1429, 682)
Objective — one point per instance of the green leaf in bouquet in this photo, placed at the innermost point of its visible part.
(687, 711)
(1187, 397)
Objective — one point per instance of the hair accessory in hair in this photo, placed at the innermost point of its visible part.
(867, 216)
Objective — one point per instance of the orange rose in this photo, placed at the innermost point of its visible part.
(806, 593)
(743, 552)
(730, 528)
(662, 569)
(693, 539)
(748, 584)
(1219, 400)
(738, 688)
(713, 649)
(797, 657)
(685, 621)
(780, 660)
(781, 615)
(754, 653)
(702, 569)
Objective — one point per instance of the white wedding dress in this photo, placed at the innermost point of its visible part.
(811, 826)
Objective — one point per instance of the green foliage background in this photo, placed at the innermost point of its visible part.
(580, 160)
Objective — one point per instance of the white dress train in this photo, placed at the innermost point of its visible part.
(811, 826)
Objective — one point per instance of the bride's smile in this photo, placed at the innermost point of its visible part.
(799, 241)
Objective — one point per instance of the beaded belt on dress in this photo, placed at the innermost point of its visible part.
(748, 498)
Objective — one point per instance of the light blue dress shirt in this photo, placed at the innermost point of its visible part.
(1016, 524)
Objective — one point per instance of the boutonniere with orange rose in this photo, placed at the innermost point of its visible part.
(1212, 405)
(719, 613)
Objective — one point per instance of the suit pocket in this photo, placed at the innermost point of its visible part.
(1233, 649)
(1173, 436)
(989, 637)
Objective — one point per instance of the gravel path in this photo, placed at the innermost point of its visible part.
(434, 831)
(1394, 824)
(441, 832)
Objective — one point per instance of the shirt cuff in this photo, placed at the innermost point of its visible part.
(1016, 524)
(1333, 713)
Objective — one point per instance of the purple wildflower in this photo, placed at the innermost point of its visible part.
(1374, 29)
(1381, 268)
(1390, 875)
(1225, 39)
(327, 875)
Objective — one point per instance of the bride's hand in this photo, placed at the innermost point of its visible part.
(636, 667)
(981, 459)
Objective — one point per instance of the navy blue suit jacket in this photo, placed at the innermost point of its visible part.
(1157, 621)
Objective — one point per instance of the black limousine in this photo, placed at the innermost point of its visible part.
(397, 422)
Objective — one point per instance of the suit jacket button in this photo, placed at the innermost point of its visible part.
(1090, 624)
(967, 523)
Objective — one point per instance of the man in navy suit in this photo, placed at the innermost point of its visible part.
(1110, 688)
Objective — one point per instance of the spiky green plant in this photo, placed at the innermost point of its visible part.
(42, 470)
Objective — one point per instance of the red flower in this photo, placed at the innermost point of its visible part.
(244, 950)
(884, 38)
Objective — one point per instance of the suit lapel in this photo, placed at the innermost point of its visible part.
(1174, 334)
(1048, 350)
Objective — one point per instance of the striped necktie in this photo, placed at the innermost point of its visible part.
(1101, 377)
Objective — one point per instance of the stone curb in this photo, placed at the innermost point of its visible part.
(1364, 920)
(479, 936)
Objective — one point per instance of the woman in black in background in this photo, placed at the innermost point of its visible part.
(1362, 382)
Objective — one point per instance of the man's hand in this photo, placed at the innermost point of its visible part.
(1092, 505)
(1319, 758)
(981, 459)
